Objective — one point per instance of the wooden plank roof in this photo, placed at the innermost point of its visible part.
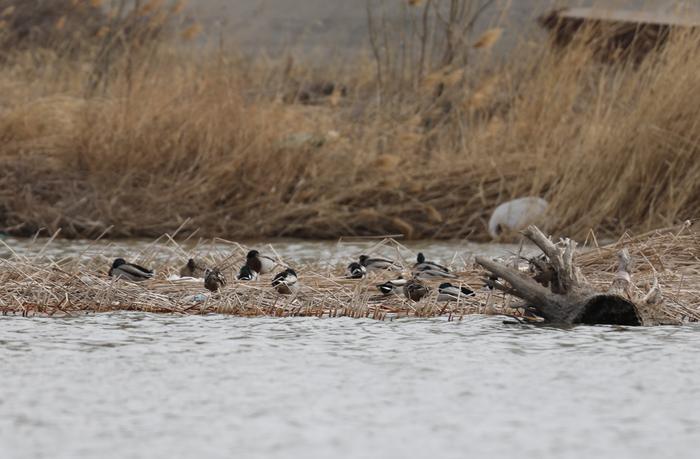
(628, 16)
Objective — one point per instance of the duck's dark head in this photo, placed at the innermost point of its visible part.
(191, 263)
(445, 285)
(490, 281)
(252, 254)
(363, 260)
(118, 262)
(420, 258)
(291, 271)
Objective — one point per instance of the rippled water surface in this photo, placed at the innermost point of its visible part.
(135, 385)
(298, 251)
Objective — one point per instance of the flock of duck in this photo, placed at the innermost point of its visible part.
(285, 282)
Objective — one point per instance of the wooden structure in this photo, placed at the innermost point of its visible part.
(558, 293)
(615, 34)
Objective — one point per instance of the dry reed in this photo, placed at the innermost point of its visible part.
(144, 140)
(38, 286)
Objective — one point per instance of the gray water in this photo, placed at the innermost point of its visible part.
(146, 386)
(136, 385)
(324, 26)
(291, 250)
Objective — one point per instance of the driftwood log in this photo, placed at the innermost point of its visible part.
(557, 292)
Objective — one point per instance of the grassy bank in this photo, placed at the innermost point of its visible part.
(155, 135)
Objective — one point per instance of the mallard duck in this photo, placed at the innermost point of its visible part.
(423, 265)
(428, 274)
(247, 274)
(392, 286)
(122, 270)
(193, 268)
(490, 281)
(414, 290)
(261, 264)
(356, 271)
(285, 282)
(449, 292)
(214, 279)
(378, 264)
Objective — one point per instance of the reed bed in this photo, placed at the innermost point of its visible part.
(40, 286)
(149, 135)
(67, 287)
(670, 256)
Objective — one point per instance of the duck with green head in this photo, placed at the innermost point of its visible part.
(449, 292)
(261, 264)
(378, 264)
(392, 287)
(355, 271)
(286, 282)
(122, 270)
(422, 264)
(247, 274)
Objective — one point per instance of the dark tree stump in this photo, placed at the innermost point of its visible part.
(559, 294)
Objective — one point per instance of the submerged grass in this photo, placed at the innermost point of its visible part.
(36, 285)
(157, 135)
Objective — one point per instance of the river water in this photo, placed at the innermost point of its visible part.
(128, 385)
(338, 26)
(146, 386)
(291, 250)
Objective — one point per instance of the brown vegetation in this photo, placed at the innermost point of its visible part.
(37, 286)
(157, 135)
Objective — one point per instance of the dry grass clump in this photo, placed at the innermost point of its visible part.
(145, 140)
(69, 27)
(671, 256)
(38, 286)
(27, 24)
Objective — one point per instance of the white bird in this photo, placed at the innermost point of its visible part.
(516, 215)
